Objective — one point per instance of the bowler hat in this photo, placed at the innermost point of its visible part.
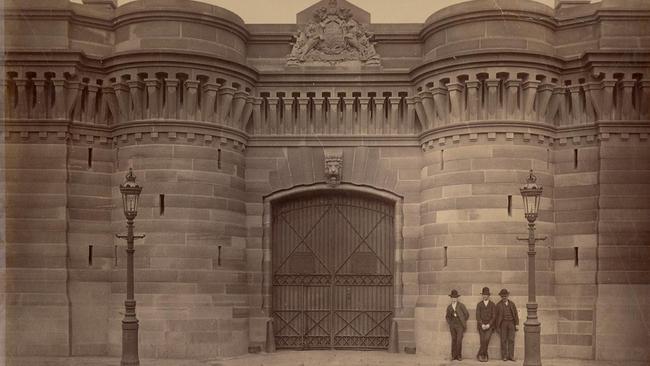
(486, 291)
(503, 292)
(454, 293)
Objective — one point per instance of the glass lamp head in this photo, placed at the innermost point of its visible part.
(130, 193)
(531, 192)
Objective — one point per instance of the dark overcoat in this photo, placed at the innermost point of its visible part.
(485, 314)
(501, 309)
(461, 311)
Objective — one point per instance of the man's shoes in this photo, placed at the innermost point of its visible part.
(512, 359)
(459, 358)
(505, 359)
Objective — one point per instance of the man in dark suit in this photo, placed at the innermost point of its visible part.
(456, 316)
(485, 319)
(506, 323)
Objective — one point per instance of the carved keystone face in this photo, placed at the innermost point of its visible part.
(333, 170)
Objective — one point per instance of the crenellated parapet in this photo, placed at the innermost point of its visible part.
(327, 113)
(110, 102)
(529, 98)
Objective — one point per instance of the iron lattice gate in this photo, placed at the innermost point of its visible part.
(332, 272)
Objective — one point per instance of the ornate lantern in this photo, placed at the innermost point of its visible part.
(130, 193)
(531, 192)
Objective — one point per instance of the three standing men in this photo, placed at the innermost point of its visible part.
(503, 317)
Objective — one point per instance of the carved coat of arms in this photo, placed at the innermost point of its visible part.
(333, 36)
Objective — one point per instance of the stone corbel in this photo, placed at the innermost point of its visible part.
(257, 114)
(171, 98)
(530, 88)
(593, 93)
(208, 104)
(644, 102)
(492, 97)
(363, 114)
(136, 90)
(576, 104)
(91, 112)
(190, 101)
(441, 102)
(428, 117)
(456, 101)
(472, 99)
(544, 93)
(122, 95)
(153, 90)
(608, 99)
(512, 104)
(39, 108)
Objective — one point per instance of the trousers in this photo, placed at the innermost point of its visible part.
(457, 332)
(507, 339)
(485, 341)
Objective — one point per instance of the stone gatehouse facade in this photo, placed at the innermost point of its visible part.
(427, 132)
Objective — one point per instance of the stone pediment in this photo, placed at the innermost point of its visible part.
(332, 32)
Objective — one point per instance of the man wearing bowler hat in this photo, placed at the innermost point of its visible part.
(485, 319)
(506, 323)
(456, 316)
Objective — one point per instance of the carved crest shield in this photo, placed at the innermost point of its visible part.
(333, 39)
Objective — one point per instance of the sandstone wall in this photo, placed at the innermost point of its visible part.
(393, 169)
(37, 279)
(472, 214)
(204, 109)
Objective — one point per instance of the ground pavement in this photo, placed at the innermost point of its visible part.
(304, 358)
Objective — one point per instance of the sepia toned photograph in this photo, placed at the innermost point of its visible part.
(325, 182)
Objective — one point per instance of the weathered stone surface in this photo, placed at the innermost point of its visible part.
(446, 131)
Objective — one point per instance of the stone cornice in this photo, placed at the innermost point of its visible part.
(333, 140)
(533, 133)
(204, 133)
(175, 58)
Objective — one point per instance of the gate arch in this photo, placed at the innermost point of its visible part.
(332, 265)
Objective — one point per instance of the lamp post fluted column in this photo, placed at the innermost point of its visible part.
(130, 322)
(532, 327)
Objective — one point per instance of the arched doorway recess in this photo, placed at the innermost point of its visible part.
(335, 274)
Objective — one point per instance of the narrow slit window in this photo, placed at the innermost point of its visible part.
(218, 158)
(219, 255)
(575, 158)
(442, 159)
(90, 157)
(115, 255)
(575, 257)
(445, 258)
(548, 158)
(162, 204)
(509, 205)
(90, 255)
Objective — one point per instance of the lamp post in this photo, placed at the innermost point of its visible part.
(130, 193)
(531, 192)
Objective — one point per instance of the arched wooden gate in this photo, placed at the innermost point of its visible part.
(333, 259)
